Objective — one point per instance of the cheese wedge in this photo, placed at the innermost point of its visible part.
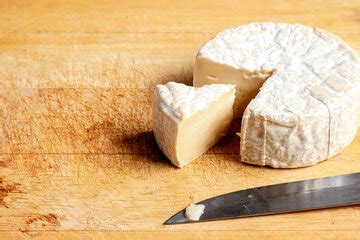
(187, 121)
(297, 90)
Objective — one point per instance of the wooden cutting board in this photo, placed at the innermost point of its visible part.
(77, 155)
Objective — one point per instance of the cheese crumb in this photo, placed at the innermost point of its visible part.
(194, 211)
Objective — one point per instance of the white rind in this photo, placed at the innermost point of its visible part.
(308, 110)
(181, 101)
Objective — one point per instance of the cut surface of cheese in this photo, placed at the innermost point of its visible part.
(187, 121)
(297, 90)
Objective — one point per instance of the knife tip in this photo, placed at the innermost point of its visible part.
(178, 218)
(169, 222)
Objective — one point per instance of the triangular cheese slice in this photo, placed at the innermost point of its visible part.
(187, 121)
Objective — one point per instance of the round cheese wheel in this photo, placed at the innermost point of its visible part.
(298, 90)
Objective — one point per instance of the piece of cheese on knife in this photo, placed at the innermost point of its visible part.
(187, 121)
(297, 90)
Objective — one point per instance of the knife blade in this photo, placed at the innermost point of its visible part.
(319, 193)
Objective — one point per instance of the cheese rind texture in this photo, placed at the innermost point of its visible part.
(301, 88)
(187, 121)
(182, 101)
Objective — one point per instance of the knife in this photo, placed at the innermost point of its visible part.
(319, 193)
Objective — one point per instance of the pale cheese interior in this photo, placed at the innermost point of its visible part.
(247, 83)
(202, 130)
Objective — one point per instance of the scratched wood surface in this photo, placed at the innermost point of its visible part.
(77, 155)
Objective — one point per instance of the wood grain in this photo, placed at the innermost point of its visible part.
(78, 159)
(226, 235)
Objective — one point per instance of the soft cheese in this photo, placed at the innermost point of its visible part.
(194, 211)
(187, 121)
(298, 90)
